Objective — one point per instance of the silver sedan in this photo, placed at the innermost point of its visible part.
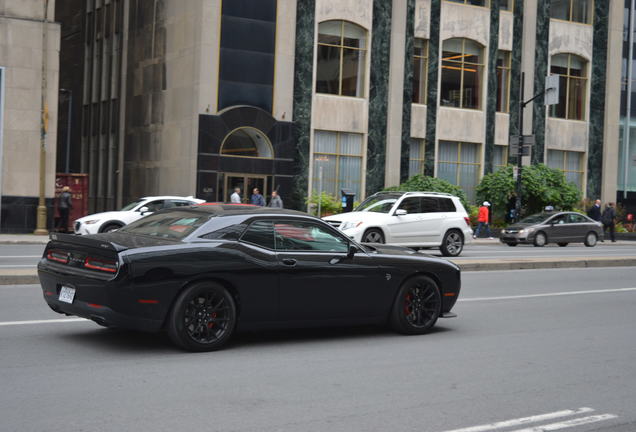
(553, 227)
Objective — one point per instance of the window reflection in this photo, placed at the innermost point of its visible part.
(572, 71)
(462, 70)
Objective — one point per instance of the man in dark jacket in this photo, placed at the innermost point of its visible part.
(64, 206)
(608, 218)
(595, 211)
(257, 198)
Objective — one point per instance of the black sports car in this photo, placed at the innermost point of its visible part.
(202, 272)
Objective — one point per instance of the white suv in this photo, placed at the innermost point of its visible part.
(412, 219)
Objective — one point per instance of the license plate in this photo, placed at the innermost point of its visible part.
(67, 294)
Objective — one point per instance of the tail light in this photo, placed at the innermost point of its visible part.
(101, 265)
(467, 219)
(57, 256)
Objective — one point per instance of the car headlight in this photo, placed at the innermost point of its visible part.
(92, 221)
(526, 230)
(349, 225)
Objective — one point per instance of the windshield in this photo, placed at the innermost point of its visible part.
(131, 206)
(382, 203)
(536, 218)
(171, 224)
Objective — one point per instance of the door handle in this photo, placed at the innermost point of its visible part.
(289, 261)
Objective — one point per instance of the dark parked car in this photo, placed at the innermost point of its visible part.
(553, 227)
(202, 272)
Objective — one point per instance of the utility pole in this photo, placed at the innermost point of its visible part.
(41, 211)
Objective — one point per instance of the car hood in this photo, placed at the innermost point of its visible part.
(103, 216)
(356, 216)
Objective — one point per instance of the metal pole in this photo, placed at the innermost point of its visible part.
(68, 130)
(628, 107)
(1, 134)
(41, 210)
(319, 189)
(520, 150)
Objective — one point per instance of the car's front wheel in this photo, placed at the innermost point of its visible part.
(202, 318)
(540, 239)
(417, 306)
(373, 235)
(110, 228)
(452, 244)
(591, 239)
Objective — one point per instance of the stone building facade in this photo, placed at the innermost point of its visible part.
(198, 97)
(21, 61)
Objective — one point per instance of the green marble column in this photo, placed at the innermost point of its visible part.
(515, 72)
(597, 101)
(303, 81)
(433, 72)
(378, 95)
(540, 71)
(407, 96)
(491, 101)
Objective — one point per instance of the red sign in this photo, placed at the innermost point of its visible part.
(79, 194)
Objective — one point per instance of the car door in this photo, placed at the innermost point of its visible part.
(432, 220)
(579, 227)
(407, 229)
(556, 228)
(319, 281)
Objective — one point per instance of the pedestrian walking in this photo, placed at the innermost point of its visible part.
(64, 206)
(257, 198)
(235, 198)
(483, 220)
(608, 219)
(594, 212)
(276, 201)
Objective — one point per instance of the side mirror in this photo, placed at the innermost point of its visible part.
(352, 250)
(401, 212)
(143, 210)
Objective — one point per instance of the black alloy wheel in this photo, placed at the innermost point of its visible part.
(202, 318)
(540, 239)
(452, 244)
(373, 235)
(591, 239)
(417, 306)
(110, 228)
(562, 244)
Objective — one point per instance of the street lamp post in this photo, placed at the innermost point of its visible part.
(41, 210)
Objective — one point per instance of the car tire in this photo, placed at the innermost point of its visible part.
(562, 244)
(540, 239)
(417, 306)
(511, 244)
(373, 235)
(452, 244)
(590, 239)
(110, 228)
(202, 318)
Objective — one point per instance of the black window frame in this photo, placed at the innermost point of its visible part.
(247, 229)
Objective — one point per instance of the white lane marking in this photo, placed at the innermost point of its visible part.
(523, 420)
(569, 423)
(556, 294)
(49, 321)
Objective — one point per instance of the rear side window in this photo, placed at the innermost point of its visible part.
(429, 205)
(446, 205)
(260, 233)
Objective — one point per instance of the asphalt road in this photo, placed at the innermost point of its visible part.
(529, 349)
(27, 256)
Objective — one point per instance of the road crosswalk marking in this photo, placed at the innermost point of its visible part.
(526, 421)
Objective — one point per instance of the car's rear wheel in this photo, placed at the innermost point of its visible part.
(417, 306)
(540, 239)
(110, 228)
(452, 244)
(202, 318)
(562, 244)
(373, 235)
(591, 239)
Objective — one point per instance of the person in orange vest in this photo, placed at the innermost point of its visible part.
(483, 220)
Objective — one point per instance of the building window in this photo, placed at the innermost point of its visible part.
(340, 157)
(579, 11)
(570, 162)
(572, 71)
(341, 58)
(499, 157)
(462, 70)
(417, 161)
(247, 142)
(506, 5)
(484, 3)
(503, 81)
(420, 70)
(459, 163)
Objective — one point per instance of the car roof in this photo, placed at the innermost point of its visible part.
(226, 209)
(170, 197)
(416, 193)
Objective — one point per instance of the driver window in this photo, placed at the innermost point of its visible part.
(153, 206)
(558, 220)
(307, 236)
(411, 205)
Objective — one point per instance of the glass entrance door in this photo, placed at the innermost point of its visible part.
(247, 183)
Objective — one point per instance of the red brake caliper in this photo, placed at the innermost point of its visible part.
(407, 304)
(213, 315)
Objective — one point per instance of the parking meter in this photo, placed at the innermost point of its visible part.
(347, 200)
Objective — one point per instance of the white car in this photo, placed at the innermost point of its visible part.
(113, 220)
(411, 219)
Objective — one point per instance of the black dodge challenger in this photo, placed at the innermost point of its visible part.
(203, 272)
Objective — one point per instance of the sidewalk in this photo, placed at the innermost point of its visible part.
(23, 239)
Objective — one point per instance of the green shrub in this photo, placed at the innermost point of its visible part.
(422, 183)
(328, 204)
